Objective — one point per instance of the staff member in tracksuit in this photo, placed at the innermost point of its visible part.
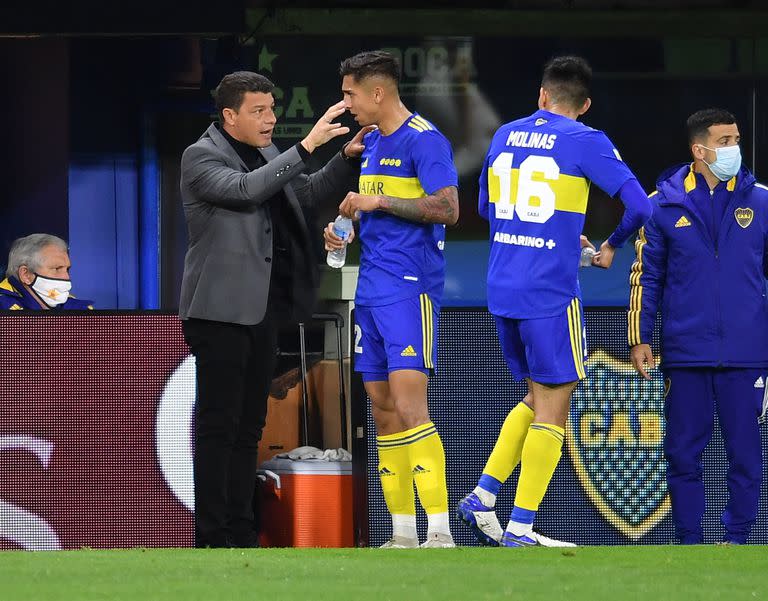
(701, 262)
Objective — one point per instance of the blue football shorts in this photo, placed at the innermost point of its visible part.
(401, 335)
(548, 350)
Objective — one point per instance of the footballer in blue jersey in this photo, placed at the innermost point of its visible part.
(534, 188)
(407, 194)
(400, 258)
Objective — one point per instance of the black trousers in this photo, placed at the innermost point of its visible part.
(235, 365)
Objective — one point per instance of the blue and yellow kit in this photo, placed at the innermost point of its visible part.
(534, 188)
(402, 268)
(399, 258)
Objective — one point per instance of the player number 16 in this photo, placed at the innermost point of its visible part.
(534, 200)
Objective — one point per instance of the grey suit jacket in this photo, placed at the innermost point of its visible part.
(228, 262)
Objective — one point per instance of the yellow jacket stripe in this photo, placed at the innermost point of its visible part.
(636, 292)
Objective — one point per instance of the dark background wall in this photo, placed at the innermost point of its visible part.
(35, 108)
(98, 109)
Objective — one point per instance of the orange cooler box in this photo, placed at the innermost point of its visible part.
(311, 508)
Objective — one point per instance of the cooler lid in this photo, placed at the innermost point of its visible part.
(310, 466)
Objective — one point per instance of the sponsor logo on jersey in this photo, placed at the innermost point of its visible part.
(531, 241)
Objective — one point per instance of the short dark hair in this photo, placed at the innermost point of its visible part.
(231, 90)
(367, 64)
(567, 79)
(699, 123)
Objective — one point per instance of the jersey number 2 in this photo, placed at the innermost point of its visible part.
(534, 201)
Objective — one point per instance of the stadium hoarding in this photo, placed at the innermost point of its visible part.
(610, 485)
(84, 459)
(96, 423)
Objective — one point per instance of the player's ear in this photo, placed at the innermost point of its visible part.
(542, 98)
(585, 106)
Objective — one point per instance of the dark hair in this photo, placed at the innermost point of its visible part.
(232, 88)
(367, 64)
(567, 79)
(699, 123)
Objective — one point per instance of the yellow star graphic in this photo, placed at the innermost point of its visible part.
(266, 59)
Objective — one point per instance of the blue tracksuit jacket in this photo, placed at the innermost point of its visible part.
(710, 290)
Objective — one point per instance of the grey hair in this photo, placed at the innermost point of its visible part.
(26, 251)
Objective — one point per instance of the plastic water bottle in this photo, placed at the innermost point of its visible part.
(341, 227)
(586, 257)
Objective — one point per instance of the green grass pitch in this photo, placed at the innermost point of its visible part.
(593, 573)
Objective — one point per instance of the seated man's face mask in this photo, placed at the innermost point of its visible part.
(53, 291)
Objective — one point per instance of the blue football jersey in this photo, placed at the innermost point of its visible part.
(533, 190)
(401, 259)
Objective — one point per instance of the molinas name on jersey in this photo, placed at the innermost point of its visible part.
(531, 139)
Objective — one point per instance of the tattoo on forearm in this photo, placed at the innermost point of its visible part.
(440, 207)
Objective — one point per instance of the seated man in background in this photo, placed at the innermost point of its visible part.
(37, 277)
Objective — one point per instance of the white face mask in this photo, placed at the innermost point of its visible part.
(727, 161)
(53, 292)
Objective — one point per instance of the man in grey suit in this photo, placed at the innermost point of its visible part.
(249, 266)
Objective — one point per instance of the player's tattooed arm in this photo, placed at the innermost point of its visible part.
(440, 207)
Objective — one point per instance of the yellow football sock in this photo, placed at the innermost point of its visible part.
(395, 474)
(506, 453)
(540, 455)
(428, 466)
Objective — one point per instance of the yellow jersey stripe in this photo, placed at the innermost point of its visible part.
(430, 315)
(572, 334)
(391, 185)
(427, 329)
(731, 185)
(422, 122)
(416, 127)
(423, 328)
(580, 337)
(636, 292)
(571, 191)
